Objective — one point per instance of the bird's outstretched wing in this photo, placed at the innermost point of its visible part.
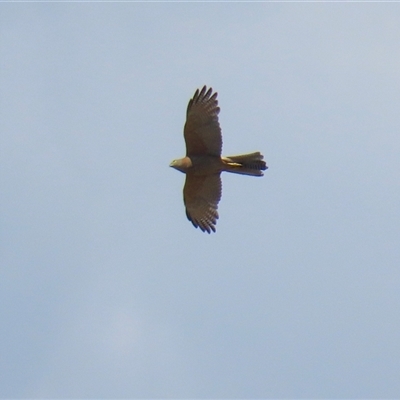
(201, 195)
(202, 131)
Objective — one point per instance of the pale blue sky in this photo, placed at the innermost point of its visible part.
(106, 290)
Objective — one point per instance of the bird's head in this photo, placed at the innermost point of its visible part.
(181, 164)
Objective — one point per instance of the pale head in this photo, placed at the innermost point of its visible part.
(181, 164)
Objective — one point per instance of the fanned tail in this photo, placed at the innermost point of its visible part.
(246, 164)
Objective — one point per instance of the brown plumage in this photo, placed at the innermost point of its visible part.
(203, 163)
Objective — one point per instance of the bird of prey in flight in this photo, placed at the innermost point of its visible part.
(203, 163)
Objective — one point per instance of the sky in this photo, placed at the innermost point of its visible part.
(108, 291)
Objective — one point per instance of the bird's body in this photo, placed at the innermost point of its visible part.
(203, 162)
(245, 164)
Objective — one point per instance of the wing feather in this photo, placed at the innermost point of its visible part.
(202, 131)
(201, 197)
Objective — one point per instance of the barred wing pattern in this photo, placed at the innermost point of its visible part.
(202, 131)
(201, 196)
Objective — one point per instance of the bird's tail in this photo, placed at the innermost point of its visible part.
(246, 164)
